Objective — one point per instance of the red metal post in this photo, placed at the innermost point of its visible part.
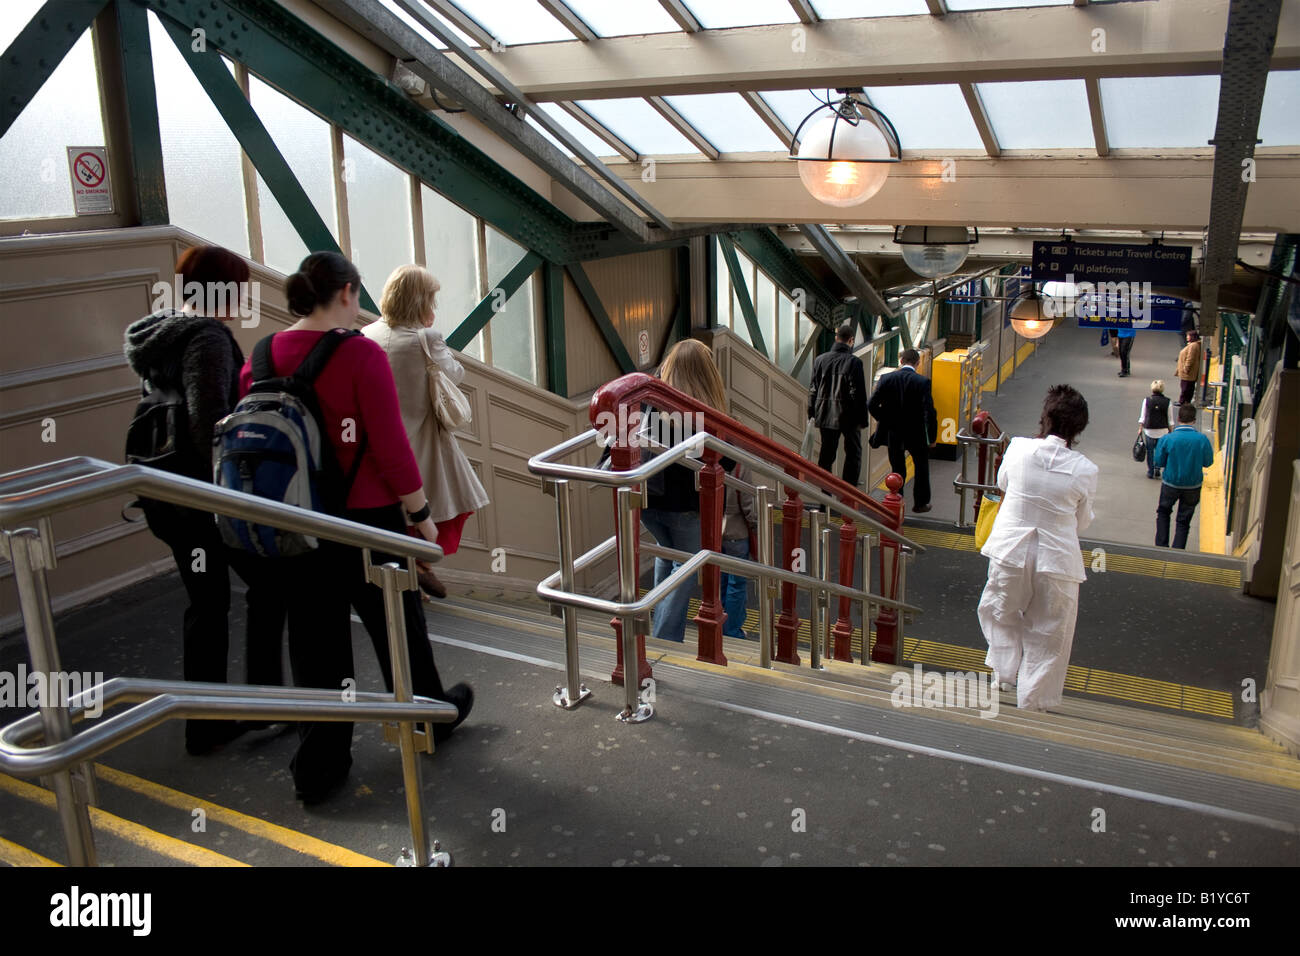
(624, 458)
(787, 625)
(886, 649)
(709, 621)
(843, 629)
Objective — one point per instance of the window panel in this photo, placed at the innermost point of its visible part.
(1038, 114)
(303, 138)
(516, 21)
(450, 254)
(928, 117)
(513, 329)
(765, 309)
(727, 121)
(583, 135)
(202, 161)
(787, 332)
(956, 5)
(724, 286)
(844, 9)
(1279, 119)
(1160, 110)
(624, 18)
(34, 177)
(639, 125)
(719, 14)
(792, 106)
(379, 214)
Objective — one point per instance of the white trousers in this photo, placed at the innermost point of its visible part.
(1028, 621)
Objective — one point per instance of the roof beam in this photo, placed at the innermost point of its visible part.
(981, 119)
(1093, 86)
(768, 116)
(849, 273)
(572, 22)
(937, 7)
(804, 11)
(601, 130)
(679, 123)
(457, 17)
(682, 14)
(1144, 39)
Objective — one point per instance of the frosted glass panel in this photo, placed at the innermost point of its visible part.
(793, 106)
(724, 286)
(765, 308)
(583, 135)
(624, 18)
(34, 178)
(1038, 114)
(450, 252)
(379, 214)
(786, 332)
(1160, 110)
(718, 14)
(1279, 119)
(928, 117)
(512, 330)
(727, 121)
(516, 21)
(738, 323)
(201, 158)
(303, 139)
(838, 9)
(638, 124)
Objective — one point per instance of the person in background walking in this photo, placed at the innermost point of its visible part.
(1183, 454)
(1154, 419)
(837, 404)
(739, 525)
(904, 406)
(1125, 338)
(1189, 367)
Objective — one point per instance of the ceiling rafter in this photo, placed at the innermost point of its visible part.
(804, 11)
(981, 119)
(457, 18)
(1098, 115)
(680, 123)
(938, 8)
(600, 129)
(682, 15)
(769, 117)
(572, 22)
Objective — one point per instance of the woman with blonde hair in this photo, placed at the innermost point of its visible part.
(1154, 419)
(407, 337)
(673, 515)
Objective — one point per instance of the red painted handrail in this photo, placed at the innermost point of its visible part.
(637, 387)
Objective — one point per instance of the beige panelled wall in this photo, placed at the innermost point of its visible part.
(762, 396)
(65, 302)
(1280, 702)
(639, 293)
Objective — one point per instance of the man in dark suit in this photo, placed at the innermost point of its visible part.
(837, 403)
(903, 405)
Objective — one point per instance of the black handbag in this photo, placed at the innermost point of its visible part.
(1140, 447)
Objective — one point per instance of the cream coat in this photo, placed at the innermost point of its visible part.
(449, 481)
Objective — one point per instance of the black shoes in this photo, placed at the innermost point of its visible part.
(462, 695)
(920, 509)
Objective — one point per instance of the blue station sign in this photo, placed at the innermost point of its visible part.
(1157, 313)
(1112, 262)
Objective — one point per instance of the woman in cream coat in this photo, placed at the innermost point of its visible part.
(406, 335)
(1031, 601)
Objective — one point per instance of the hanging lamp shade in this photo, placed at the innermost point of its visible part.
(1029, 319)
(935, 251)
(844, 157)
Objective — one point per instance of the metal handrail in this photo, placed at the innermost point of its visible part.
(543, 463)
(38, 492)
(965, 440)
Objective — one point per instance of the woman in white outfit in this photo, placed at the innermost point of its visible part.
(407, 337)
(1031, 600)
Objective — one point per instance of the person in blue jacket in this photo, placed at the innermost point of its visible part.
(1184, 453)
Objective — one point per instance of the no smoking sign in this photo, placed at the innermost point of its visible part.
(92, 192)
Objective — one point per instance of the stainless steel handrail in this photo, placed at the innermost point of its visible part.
(959, 484)
(544, 464)
(38, 492)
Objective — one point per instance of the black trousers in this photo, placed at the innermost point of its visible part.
(852, 451)
(322, 587)
(1188, 391)
(204, 563)
(1187, 499)
(919, 449)
(1125, 350)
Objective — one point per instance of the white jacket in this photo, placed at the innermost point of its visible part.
(1047, 488)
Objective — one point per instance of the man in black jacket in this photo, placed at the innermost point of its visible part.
(837, 403)
(903, 405)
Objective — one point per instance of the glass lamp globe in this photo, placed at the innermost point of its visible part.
(839, 178)
(1028, 320)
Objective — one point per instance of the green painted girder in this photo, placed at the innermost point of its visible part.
(39, 49)
(598, 314)
(557, 359)
(284, 51)
(784, 268)
(741, 291)
(496, 299)
(146, 159)
(238, 112)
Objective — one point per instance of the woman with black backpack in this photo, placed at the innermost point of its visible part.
(361, 418)
(189, 362)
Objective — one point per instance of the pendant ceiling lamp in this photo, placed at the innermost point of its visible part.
(935, 251)
(1029, 318)
(845, 151)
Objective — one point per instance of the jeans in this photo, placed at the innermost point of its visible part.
(735, 590)
(1188, 499)
(679, 530)
(852, 452)
(1151, 455)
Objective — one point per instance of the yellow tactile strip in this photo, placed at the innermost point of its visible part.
(1082, 680)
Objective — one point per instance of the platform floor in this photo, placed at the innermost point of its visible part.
(711, 780)
(1126, 499)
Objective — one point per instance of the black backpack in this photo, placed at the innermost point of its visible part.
(159, 437)
(275, 445)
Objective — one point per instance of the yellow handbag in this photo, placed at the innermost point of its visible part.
(988, 514)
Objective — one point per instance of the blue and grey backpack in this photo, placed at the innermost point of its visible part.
(274, 445)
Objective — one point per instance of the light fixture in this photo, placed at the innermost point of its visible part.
(1028, 317)
(935, 251)
(844, 155)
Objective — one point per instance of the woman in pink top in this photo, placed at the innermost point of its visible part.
(360, 415)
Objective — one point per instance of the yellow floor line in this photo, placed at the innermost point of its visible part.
(299, 842)
(15, 855)
(141, 836)
(1083, 680)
